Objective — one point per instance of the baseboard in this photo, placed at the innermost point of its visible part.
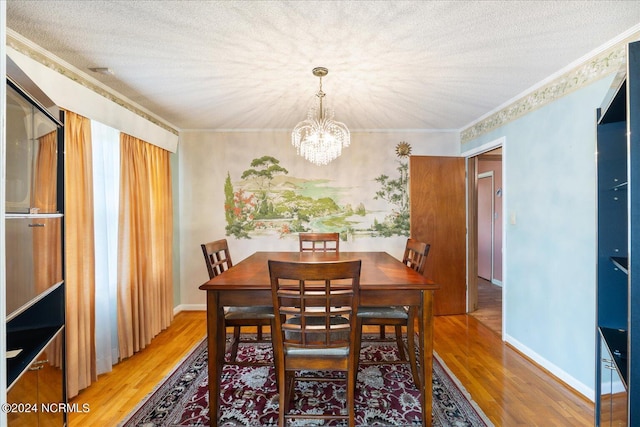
(496, 282)
(554, 370)
(189, 307)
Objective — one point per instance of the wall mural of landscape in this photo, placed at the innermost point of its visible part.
(267, 200)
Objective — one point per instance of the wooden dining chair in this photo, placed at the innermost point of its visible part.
(319, 242)
(319, 302)
(415, 257)
(218, 260)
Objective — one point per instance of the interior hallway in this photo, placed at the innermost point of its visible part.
(489, 305)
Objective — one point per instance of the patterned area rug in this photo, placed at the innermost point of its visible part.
(385, 394)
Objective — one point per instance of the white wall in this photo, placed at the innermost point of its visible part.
(205, 158)
(550, 270)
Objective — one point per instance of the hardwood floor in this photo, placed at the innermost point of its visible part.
(116, 393)
(511, 390)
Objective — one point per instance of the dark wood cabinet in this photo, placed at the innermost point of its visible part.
(618, 286)
(34, 291)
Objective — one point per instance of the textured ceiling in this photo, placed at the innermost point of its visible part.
(435, 65)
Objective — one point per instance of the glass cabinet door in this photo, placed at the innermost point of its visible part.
(32, 158)
(613, 398)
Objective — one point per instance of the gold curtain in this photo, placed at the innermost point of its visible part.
(79, 255)
(45, 194)
(47, 249)
(145, 288)
(49, 260)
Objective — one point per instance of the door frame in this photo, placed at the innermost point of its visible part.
(471, 160)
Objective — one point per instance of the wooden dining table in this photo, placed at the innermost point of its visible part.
(384, 281)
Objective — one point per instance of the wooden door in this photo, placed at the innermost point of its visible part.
(438, 217)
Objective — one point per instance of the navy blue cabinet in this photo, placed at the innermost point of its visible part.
(618, 286)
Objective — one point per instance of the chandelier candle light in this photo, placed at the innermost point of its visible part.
(319, 138)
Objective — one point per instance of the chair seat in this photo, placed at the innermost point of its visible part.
(239, 313)
(394, 312)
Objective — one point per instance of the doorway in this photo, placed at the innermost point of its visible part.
(485, 238)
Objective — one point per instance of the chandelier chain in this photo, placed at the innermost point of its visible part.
(320, 96)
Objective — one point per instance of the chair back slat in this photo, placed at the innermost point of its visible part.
(318, 300)
(415, 255)
(217, 257)
(319, 242)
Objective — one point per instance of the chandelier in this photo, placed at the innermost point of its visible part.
(320, 138)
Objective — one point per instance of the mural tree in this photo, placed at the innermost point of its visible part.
(238, 210)
(396, 192)
(263, 170)
(228, 200)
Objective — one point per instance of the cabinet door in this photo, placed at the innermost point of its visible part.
(613, 396)
(24, 392)
(40, 390)
(34, 258)
(438, 217)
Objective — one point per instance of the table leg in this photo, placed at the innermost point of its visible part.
(426, 352)
(215, 349)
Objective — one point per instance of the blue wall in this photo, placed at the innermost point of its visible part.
(550, 251)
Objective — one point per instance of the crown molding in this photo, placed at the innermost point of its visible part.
(611, 59)
(37, 53)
